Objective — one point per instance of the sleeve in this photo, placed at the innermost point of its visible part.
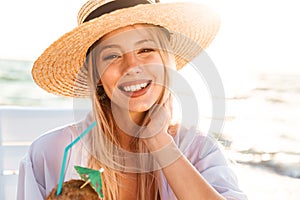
(206, 155)
(28, 188)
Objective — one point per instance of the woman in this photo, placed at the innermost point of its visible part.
(122, 55)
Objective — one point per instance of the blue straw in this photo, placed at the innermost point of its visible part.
(63, 166)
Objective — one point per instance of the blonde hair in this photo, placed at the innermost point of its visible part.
(103, 142)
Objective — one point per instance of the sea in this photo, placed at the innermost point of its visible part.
(261, 124)
(19, 89)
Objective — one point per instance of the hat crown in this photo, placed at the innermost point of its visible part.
(89, 7)
(87, 11)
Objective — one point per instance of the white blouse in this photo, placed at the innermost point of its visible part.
(39, 170)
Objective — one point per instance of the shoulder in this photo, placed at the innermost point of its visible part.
(53, 140)
(49, 148)
(198, 147)
(46, 152)
(189, 138)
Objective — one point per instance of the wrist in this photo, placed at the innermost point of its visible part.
(158, 141)
(166, 155)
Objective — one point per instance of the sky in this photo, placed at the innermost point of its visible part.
(254, 35)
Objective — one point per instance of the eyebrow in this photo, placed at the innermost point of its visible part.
(108, 46)
(144, 41)
(118, 46)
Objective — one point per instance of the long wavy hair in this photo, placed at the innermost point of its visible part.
(103, 142)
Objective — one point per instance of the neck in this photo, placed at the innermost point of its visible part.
(128, 124)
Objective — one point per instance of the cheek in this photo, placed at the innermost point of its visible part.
(109, 81)
(159, 74)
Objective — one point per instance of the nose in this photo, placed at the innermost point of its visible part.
(131, 64)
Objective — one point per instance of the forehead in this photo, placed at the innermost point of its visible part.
(128, 33)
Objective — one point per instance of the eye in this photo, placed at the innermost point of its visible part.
(110, 57)
(146, 50)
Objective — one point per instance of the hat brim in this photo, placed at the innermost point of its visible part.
(193, 27)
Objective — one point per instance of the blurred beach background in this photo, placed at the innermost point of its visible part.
(255, 53)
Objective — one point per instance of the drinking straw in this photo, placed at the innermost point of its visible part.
(63, 166)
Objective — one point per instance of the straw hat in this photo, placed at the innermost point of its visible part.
(59, 69)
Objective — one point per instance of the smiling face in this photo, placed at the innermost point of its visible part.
(130, 67)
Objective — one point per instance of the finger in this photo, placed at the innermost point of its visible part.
(172, 129)
(169, 105)
(159, 121)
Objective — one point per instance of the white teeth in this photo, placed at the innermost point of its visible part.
(133, 88)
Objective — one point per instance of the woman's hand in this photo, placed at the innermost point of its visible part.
(159, 133)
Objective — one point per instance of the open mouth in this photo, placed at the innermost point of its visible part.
(135, 88)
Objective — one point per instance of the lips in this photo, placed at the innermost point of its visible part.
(135, 88)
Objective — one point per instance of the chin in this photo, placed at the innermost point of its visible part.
(138, 107)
